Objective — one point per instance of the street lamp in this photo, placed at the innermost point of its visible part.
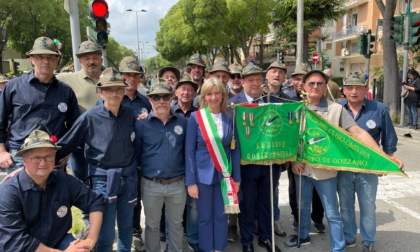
(142, 49)
(137, 22)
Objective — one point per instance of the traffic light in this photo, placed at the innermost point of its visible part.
(362, 44)
(324, 60)
(371, 40)
(98, 13)
(397, 29)
(281, 56)
(414, 29)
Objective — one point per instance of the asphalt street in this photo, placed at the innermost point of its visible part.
(398, 208)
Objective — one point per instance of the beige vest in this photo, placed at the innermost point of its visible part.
(333, 115)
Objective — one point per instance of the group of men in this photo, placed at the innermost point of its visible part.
(125, 145)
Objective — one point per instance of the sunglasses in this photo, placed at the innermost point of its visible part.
(319, 84)
(164, 97)
(235, 76)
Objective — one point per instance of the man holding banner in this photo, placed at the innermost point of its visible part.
(255, 185)
(307, 173)
(373, 117)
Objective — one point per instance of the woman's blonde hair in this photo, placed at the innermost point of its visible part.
(205, 89)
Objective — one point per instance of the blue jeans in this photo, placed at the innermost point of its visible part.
(18, 162)
(412, 113)
(192, 220)
(365, 186)
(119, 209)
(65, 242)
(327, 190)
(174, 196)
(79, 166)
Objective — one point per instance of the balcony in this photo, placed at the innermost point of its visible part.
(348, 4)
(348, 33)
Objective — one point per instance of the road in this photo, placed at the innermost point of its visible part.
(398, 207)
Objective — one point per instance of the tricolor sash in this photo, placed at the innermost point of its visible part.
(220, 160)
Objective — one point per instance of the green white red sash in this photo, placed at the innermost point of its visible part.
(220, 160)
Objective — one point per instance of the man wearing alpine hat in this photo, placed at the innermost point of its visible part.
(35, 204)
(35, 101)
(160, 152)
(107, 134)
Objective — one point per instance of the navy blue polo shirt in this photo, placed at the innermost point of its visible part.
(160, 147)
(177, 110)
(139, 104)
(108, 139)
(30, 215)
(30, 104)
(374, 118)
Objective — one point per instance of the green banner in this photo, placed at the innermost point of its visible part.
(328, 146)
(268, 133)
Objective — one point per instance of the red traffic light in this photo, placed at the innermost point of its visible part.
(99, 8)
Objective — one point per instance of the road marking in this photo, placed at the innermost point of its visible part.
(402, 208)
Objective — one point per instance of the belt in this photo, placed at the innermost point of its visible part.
(167, 180)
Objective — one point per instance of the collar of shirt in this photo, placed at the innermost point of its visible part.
(152, 115)
(250, 99)
(104, 111)
(85, 77)
(33, 79)
(322, 106)
(28, 184)
(345, 103)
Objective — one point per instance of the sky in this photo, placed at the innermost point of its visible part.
(123, 23)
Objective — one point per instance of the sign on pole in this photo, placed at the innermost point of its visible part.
(315, 57)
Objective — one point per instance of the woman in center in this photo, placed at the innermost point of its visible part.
(212, 167)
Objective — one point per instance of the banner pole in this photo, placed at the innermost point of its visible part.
(272, 208)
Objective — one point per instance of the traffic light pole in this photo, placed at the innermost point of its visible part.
(75, 31)
(368, 56)
(405, 64)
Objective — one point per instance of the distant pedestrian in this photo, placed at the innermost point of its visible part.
(412, 100)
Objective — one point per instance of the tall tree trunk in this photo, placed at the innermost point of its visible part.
(391, 82)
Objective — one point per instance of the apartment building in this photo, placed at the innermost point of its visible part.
(360, 16)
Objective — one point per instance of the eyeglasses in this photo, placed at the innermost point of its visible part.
(115, 90)
(319, 84)
(235, 76)
(164, 97)
(37, 160)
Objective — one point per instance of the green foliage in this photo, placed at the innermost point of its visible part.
(117, 52)
(156, 63)
(211, 26)
(28, 20)
(338, 80)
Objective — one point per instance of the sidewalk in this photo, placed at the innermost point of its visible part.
(407, 133)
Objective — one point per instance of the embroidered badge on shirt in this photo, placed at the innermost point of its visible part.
(62, 211)
(371, 124)
(62, 107)
(178, 129)
(133, 136)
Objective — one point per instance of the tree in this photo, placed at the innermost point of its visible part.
(285, 15)
(116, 52)
(175, 38)
(212, 27)
(391, 80)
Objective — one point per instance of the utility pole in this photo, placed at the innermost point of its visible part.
(406, 46)
(73, 9)
(299, 41)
